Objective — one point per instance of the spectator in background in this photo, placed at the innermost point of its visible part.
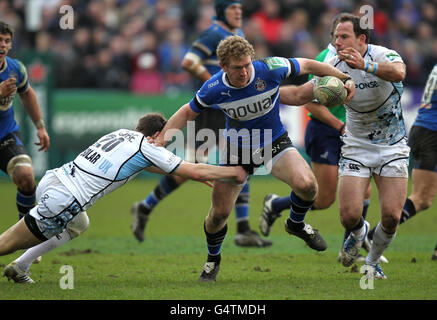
(395, 23)
(120, 62)
(270, 22)
(145, 76)
(171, 52)
(431, 58)
(83, 59)
(43, 42)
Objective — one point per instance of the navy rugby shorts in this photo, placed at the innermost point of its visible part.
(322, 143)
(10, 146)
(210, 119)
(228, 158)
(423, 144)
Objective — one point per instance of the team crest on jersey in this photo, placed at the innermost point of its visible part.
(392, 56)
(6, 102)
(260, 84)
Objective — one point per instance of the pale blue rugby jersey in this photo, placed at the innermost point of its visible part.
(112, 161)
(252, 109)
(427, 115)
(374, 114)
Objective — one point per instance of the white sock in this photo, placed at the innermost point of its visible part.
(25, 260)
(360, 233)
(381, 240)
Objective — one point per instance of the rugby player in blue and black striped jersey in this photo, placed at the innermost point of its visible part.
(247, 92)
(13, 157)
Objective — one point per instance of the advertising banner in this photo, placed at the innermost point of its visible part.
(81, 116)
(76, 118)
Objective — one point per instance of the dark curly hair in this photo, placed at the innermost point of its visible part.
(6, 29)
(150, 123)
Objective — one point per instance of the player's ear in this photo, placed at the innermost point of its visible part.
(156, 134)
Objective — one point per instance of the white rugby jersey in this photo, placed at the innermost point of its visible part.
(109, 163)
(375, 112)
(252, 109)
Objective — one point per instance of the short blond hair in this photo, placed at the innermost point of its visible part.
(234, 46)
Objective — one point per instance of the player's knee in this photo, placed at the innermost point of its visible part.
(26, 183)
(422, 204)
(78, 225)
(390, 221)
(222, 209)
(23, 177)
(348, 220)
(20, 167)
(426, 205)
(307, 187)
(218, 218)
(323, 202)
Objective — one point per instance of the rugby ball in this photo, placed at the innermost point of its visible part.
(330, 91)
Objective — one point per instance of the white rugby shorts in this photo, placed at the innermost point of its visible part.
(359, 158)
(56, 206)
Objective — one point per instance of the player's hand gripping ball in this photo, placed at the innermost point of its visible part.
(330, 91)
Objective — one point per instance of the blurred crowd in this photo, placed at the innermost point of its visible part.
(138, 45)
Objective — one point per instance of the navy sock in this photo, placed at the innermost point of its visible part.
(165, 186)
(366, 205)
(299, 208)
(214, 243)
(408, 211)
(280, 204)
(25, 202)
(358, 225)
(242, 209)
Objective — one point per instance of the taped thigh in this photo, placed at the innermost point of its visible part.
(21, 160)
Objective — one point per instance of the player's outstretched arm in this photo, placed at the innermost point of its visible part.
(30, 103)
(203, 172)
(296, 95)
(177, 121)
(320, 69)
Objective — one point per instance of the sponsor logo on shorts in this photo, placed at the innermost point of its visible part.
(324, 155)
(354, 167)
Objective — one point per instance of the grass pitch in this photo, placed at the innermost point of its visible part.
(108, 263)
